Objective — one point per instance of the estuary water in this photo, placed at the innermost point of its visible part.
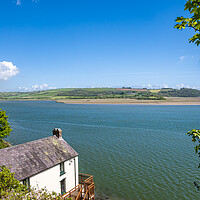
(133, 151)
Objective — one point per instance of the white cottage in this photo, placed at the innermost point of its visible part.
(49, 162)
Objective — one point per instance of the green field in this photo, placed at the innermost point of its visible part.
(155, 90)
(79, 93)
(99, 93)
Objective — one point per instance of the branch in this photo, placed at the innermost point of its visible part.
(189, 26)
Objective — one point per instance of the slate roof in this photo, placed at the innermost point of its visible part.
(36, 156)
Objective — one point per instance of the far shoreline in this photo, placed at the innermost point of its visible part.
(168, 101)
(120, 101)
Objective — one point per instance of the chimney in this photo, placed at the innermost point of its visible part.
(57, 132)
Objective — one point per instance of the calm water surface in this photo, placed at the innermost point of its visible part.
(133, 151)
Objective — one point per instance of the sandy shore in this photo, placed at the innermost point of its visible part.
(168, 101)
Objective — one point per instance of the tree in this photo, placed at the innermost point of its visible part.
(195, 134)
(195, 138)
(8, 184)
(193, 22)
(10, 188)
(4, 125)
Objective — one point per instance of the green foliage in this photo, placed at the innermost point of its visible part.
(183, 92)
(4, 125)
(4, 144)
(10, 188)
(100, 93)
(195, 134)
(81, 93)
(8, 184)
(193, 6)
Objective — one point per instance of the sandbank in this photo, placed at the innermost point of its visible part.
(168, 101)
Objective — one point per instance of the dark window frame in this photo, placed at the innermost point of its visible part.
(62, 168)
(63, 184)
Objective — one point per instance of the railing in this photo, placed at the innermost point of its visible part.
(79, 197)
(83, 191)
(90, 192)
(70, 193)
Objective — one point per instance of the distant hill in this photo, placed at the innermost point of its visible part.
(183, 92)
(100, 93)
(81, 93)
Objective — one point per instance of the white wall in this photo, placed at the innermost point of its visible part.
(50, 179)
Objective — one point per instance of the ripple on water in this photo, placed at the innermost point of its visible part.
(134, 152)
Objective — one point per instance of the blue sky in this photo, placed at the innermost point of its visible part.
(95, 43)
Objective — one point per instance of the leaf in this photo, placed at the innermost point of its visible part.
(193, 22)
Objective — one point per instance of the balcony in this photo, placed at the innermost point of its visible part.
(83, 191)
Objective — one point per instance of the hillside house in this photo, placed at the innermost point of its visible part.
(49, 162)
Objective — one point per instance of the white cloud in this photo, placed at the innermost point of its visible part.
(39, 87)
(196, 87)
(44, 86)
(165, 85)
(181, 85)
(18, 2)
(149, 86)
(181, 59)
(22, 89)
(7, 70)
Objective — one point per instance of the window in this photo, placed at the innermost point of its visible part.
(62, 168)
(62, 186)
(26, 182)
